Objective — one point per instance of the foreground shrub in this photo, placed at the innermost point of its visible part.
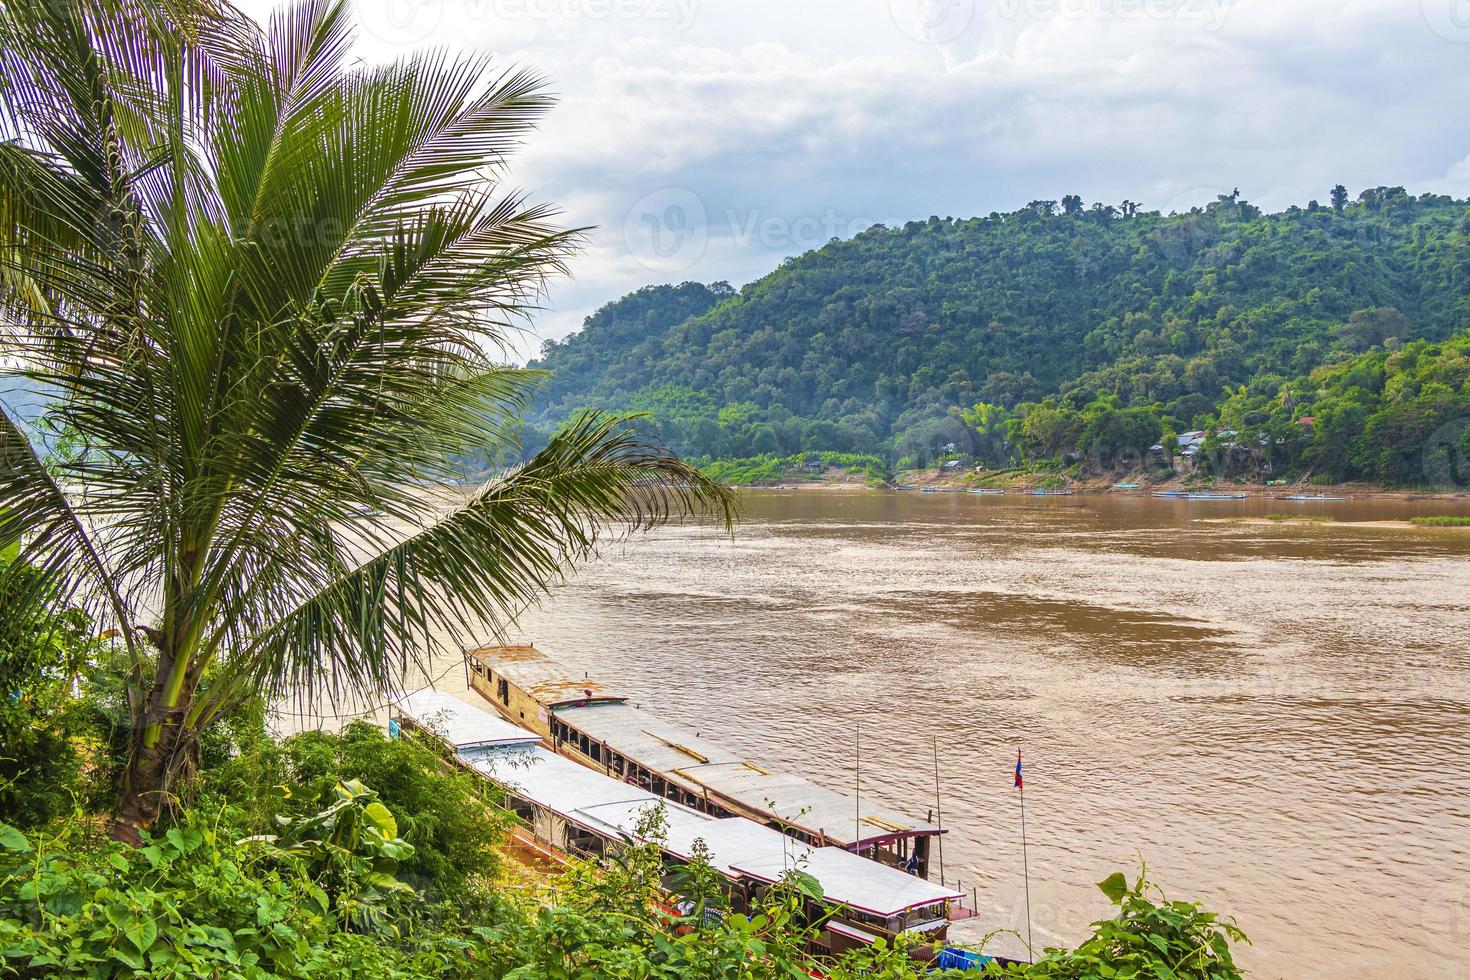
(1149, 938)
(439, 810)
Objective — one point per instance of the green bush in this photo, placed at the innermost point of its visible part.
(1150, 937)
(1441, 521)
(442, 811)
(57, 751)
(772, 468)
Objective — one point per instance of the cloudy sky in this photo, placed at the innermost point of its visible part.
(709, 139)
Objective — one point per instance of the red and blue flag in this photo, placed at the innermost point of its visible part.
(1018, 770)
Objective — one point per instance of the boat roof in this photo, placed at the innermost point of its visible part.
(737, 847)
(460, 724)
(843, 873)
(539, 676)
(699, 764)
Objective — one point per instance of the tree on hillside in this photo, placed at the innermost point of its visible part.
(1339, 198)
(268, 287)
(1373, 328)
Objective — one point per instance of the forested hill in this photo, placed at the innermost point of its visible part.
(875, 344)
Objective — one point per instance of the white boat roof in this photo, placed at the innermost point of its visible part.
(854, 881)
(553, 781)
(461, 725)
(685, 756)
(738, 847)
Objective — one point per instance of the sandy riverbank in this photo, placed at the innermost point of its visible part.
(1337, 525)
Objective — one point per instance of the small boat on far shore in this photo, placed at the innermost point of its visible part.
(1310, 498)
(1049, 493)
(1182, 495)
(987, 493)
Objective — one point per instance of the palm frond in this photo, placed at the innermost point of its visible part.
(38, 517)
(495, 553)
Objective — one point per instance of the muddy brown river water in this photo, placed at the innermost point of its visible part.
(1275, 718)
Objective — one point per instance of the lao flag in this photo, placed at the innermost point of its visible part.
(1018, 770)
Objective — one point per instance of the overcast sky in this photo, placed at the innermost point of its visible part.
(709, 139)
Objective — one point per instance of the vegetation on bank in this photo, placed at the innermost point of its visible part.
(1322, 340)
(1440, 521)
(770, 468)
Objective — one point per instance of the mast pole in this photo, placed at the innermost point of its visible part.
(938, 814)
(857, 813)
(1025, 863)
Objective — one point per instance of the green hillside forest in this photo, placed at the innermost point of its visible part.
(1327, 341)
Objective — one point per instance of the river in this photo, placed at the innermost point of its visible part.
(1275, 718)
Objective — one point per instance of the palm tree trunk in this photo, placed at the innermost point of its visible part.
(144, 789)
(155, 765)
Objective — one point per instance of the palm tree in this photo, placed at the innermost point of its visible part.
(268, 290)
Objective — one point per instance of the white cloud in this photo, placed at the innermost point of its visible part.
(784, 120)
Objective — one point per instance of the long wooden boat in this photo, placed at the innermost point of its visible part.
(1182, 495)
(581, 719)
(1311, 498)
(575, 809)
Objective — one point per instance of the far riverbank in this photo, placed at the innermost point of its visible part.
(839, 480)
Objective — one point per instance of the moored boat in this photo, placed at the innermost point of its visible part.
(579, 811)
(1184, 495)
(584, 721)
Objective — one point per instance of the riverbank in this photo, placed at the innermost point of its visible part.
(839, 480)
(1330, 523)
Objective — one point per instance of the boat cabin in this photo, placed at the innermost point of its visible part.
(582, 720)
(580, 811)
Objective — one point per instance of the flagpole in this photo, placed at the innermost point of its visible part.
(857, 805)
(1025, 862)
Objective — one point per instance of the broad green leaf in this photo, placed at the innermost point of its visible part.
(1114, 886)
(381, 818)
(12, 839)
(141, 932)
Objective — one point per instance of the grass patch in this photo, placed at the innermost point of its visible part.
(1318, 518)
(1440, 521)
